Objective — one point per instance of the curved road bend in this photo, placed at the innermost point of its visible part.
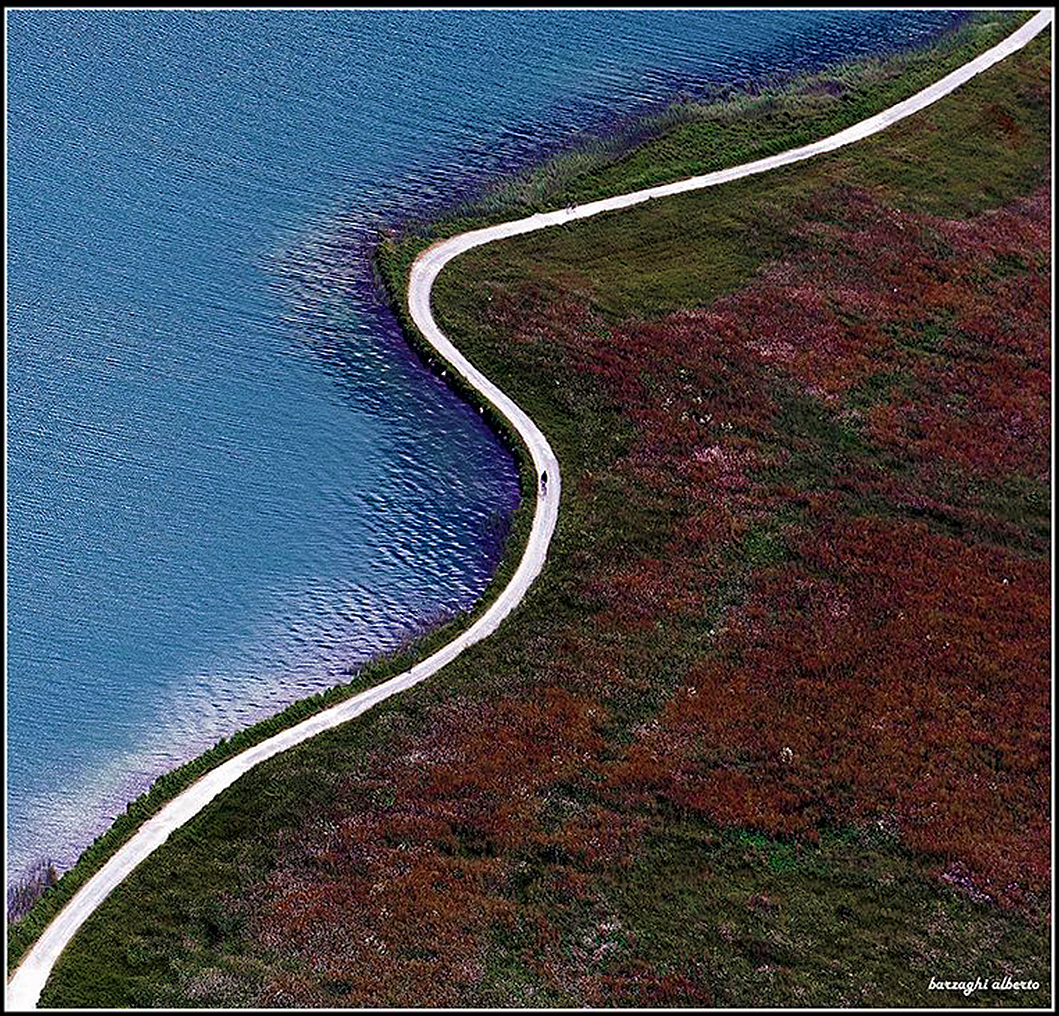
(25, 986)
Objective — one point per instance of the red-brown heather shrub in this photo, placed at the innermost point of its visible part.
(891, 676)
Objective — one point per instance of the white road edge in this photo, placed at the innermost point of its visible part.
(26, 984)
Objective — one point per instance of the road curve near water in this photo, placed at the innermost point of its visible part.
(25, 986)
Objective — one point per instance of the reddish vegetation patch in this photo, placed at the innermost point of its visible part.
(888, 291)
(413, 868)
(887, 673)
(891, 676)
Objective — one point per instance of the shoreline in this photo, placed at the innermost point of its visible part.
(628, 132)
(487, 201)
(433, 259)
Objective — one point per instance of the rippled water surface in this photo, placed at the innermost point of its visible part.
(229, 482)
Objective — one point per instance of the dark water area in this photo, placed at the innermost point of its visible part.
(229, 480)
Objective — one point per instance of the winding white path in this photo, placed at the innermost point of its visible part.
(25, 986)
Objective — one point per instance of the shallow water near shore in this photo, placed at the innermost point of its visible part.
(229, 480)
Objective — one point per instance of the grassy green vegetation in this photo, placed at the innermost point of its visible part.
(772, 923)
(734, 126)
(785, 115)
(772, 726)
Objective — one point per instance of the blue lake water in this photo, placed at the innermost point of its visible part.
(228, 480)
